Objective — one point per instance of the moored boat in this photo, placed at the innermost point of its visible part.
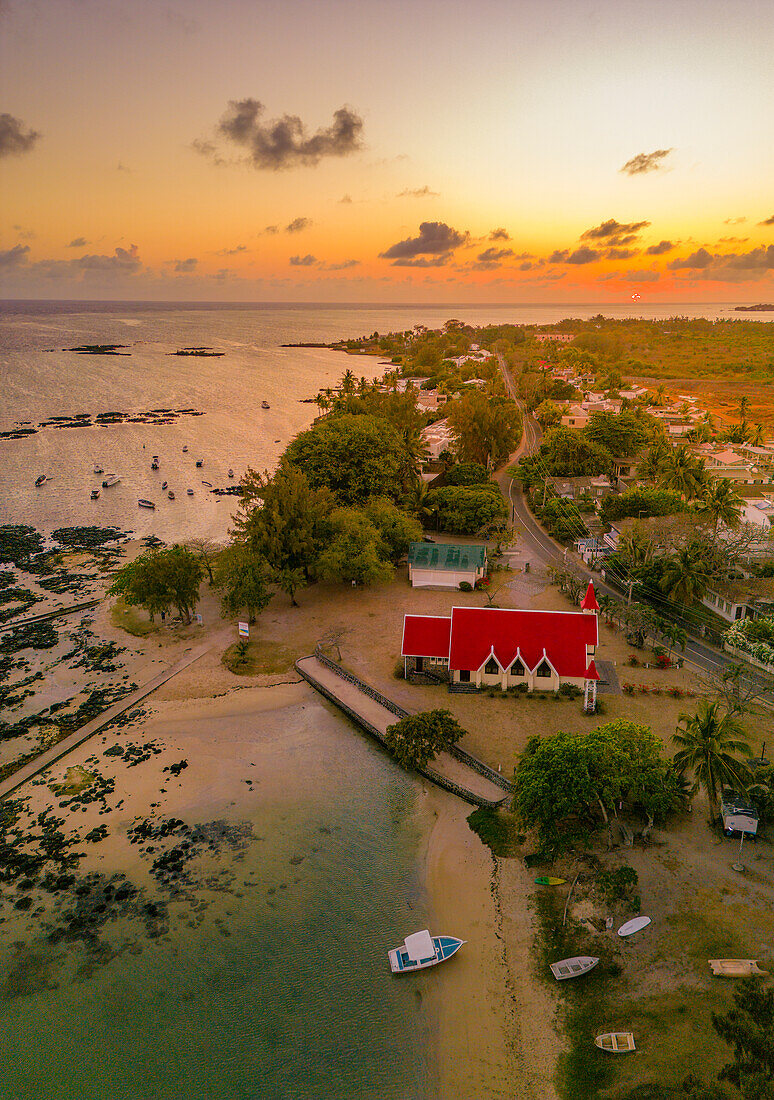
(231, 473)
(155, 463)
(615, 1042)
(164, 484)
(146, 504)
(97, 468)
(574, 967)
(95, 494)
(41, 480)
(421, 950)
(190, 492)
(199, 462)
(265, 405)
(185, 450)
(171, 495)
(208, 484)
(110, 480)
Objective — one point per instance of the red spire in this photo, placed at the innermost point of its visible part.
(591, 672)
(590, 599)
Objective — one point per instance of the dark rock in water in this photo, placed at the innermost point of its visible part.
(23, 903)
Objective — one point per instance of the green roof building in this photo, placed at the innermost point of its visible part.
(445, 564)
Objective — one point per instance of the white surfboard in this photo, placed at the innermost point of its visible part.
(633, 926)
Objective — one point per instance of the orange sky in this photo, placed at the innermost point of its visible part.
(382, 150)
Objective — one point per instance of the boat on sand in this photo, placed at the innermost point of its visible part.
(421, 950)
(633, 926)
(548, 880)
(736, 968)
(146, 504)
(574, 967)
(615, 1042)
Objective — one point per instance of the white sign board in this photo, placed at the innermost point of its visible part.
(244, 630)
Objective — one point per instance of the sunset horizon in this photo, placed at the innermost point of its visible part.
(381, 153)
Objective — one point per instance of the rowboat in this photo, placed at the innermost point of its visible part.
(171, 495)
(190, 492)
(547, 880)
(615, 1042)
(736, 968)
(110, 481)
(164, 484)
(208, 484)
(633, 926)
(421, 950)
(41, 479)
(574, 967)
(146, 504)
(95, 494)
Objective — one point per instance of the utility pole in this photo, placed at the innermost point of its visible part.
(545, 489)
(629, 598)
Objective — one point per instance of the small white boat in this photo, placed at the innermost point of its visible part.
(185, 450)
(97, 468)
(190, 492)
(574, 967)
(171, 495)
(40, 480)
(164, 484)
(146, 504)
(421, 950)
(208, 484)
(95, 494)
(633, 926)
(265, 405)
(110, 481)
(231, 473)
(736, 968)
(155, 463)
(615, 1042)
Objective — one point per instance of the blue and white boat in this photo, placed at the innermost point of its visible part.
(421, 950)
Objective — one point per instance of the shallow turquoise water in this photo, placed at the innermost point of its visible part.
(296, 1000)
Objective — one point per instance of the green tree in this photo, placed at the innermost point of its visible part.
(566, 782)
(396, 528)
(568, 453)
(464, 510)
(548, 414)
(417, 739)
(243, 578)
(160, 579)
(487, 429)
(355, 551)
(622, 434)
(466, 473)
(748, 1027)
(640, 501)
(282, 520)
(686, 573)
(356, 457)
(707, 742)
(684, 472)
(720, 503)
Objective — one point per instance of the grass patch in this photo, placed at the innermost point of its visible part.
(132, 620)
(257, 657)
(497, 829)
(76, 779)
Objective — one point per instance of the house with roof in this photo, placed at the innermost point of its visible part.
(506, 647)
(445, 564)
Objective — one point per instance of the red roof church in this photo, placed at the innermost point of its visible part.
(487, 646)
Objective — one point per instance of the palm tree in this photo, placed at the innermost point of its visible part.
(721, 503)
(707, 742)
(348, 382)
(659, 398)
(686, 574)
(416, 501)
(683, 472)
(651, 466)
(757, 435)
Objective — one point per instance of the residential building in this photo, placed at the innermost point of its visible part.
(574, 488)
(438, 437)
(445, 565)
(554, 337)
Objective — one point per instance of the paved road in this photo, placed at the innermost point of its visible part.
(548, 552)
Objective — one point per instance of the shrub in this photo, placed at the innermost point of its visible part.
(466, 586)
(617, 885)
(675, 692)
(632, 661)
(644, 689)
(399, 670)
(629, 689)
(570, 691)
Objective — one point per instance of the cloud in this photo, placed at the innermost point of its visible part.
(559, 256)
(346, 200)
(284, 142)
(660, 248)
(15, 256)
(123, 260)
(733, 240)
(298, 225)
(643, 276)
(341, 266)
(209, 150)
(120, 167)
(25, 234)
(418, 193)
(491, 258)
(699, 259)
(434, 238)
(499, 235)
(14, 138)
(614, 233)
(270, 230)
(231, 251)
(767, 221)
(621, 253)
(425, 261)
(645, 162)
(186, 265)
(78, 242)
(583, 255)
(734, 221)
(303, 261)
(754, 264)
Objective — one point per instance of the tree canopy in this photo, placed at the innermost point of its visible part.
(355, 550)
(161, 579)
(243, 578)
(417, 739)
(566, 782)
(487, 429)
(466, 509)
